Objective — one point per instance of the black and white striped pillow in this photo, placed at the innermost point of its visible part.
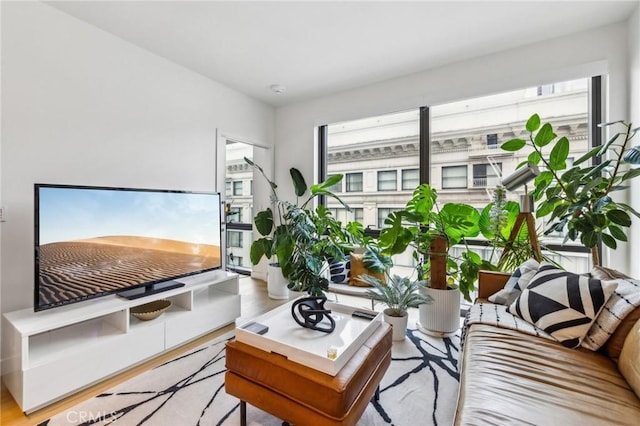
(340, 272)
(562, 303)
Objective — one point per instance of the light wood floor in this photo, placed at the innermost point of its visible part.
(254, 302)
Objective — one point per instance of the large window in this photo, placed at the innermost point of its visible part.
(442, 144)
(454, 177)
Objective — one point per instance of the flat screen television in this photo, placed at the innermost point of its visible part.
(94, 241)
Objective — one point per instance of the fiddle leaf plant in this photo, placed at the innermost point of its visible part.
(579, 199)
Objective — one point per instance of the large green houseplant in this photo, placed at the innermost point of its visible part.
(580, 198)
(298, 237)
(431, 231)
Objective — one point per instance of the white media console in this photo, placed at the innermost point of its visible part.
(51, 354)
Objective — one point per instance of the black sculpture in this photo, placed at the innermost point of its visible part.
(310, 311)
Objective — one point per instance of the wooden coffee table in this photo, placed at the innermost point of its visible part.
(286, 372)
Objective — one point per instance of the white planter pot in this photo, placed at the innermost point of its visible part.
(442, 315)
(276, 283)
(398, 325)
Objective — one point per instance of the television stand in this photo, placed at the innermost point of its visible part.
(54, 353)
(148, 290)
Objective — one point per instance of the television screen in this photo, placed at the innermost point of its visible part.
(93, 241)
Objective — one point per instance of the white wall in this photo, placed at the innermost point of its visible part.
(80, 106)
(602, 50)
(634, 116)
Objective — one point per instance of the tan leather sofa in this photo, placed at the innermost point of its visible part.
(512, 378)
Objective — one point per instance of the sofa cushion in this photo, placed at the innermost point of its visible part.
(562, 303)
(613, 347)
(622, 302)
(516, 283)
(358, 268)
(628, 363)
(510, 378)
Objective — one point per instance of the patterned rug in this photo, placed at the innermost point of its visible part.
(420, 387)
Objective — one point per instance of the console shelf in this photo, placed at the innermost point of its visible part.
(51, 354)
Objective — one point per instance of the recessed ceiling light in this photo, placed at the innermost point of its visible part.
(277, 88)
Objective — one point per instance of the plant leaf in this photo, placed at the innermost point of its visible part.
(609, 241)
(544, 136)
(264, 221)
(630, 174)
(617, 233)
(513, 145)
(619, 217)
(299, 184)
(533, 123)
(559, 154)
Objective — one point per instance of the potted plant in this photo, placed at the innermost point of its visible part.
(579, 198)
(398, 294)
(431, 231)
(297, 236)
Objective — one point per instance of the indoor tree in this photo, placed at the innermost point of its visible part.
(579, 199)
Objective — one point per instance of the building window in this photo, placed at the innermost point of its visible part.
(354, 182)
(237, 187)
(547, 89)
(484, 176)
(410, 179)
(454, 177)
(358, 214)
(234, 239)
(344, 216)
(227, 187)
(235, 215)
(492, 140)
(387, 180)
(251, 187)
(337, 187)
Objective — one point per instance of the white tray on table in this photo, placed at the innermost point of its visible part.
(309, 347)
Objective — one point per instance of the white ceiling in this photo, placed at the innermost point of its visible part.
(318, 48)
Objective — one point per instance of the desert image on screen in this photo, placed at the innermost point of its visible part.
(97, 241)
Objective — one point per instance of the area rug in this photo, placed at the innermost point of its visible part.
(420, 387)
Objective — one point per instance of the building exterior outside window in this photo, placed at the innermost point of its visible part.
(465, 137)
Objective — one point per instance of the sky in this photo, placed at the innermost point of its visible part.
(67, 213)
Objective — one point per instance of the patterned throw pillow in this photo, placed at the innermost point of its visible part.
(340, 272)
(625, 299)
(517, 282)
(562, 303)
